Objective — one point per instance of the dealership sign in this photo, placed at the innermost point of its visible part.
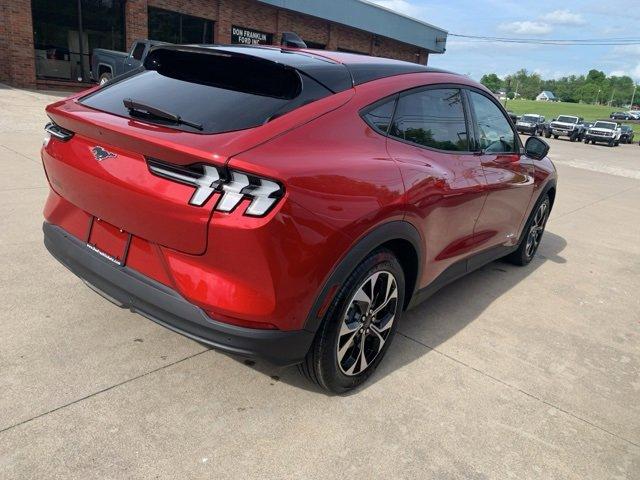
(248, 36)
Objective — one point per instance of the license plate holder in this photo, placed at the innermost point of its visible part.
(108, 241)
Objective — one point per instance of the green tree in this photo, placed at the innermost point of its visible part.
(492, 82)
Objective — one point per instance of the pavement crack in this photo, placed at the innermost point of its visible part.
(86, 397)
(518, 389)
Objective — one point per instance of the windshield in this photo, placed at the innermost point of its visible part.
(607, 125)
(529, 118)
(565, 119)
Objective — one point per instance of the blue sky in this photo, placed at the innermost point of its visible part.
(531, 19)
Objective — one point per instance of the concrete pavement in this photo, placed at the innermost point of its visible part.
(508, 373)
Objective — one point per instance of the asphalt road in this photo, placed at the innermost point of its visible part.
(509, 373)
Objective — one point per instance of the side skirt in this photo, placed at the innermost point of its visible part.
(459, 270)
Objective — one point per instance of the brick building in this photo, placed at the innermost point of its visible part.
(48, 43)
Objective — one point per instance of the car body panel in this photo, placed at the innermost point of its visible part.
(343, 184)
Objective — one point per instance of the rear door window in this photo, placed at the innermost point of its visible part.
(220, 92)
(432, 118)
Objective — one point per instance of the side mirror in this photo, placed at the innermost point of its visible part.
(536, 148)
(290, 39)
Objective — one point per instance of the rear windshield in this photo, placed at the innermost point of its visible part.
(607, 125)
(220, 92)
(565, 119)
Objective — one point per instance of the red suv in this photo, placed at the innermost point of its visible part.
(288, 204)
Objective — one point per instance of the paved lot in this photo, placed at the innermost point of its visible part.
(509, 373)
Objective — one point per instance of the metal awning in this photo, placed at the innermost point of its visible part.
(372, 18)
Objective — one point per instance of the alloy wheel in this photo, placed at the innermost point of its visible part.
(537, 229)
(367, 323)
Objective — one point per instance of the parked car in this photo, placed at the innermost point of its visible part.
(621, 116)
(514, 118)
(566, 126)
(530, 123)
(634, 114)
(293, 219)
(108, 64)
(626, 134)
(607, 132)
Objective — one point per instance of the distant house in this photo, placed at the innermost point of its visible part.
(546, 96)
(501, 94)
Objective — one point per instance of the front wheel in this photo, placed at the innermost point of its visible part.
(547, 135)
(533, 231)
(556, 136)
(359, 325)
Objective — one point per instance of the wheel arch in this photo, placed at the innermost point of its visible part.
(400, 237)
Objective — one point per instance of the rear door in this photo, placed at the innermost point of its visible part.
(429, 138)
(508, 172)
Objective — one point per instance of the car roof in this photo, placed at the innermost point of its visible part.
(338, 71)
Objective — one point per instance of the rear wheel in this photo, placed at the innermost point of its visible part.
(533, 234)
(547, 135)
(610, 143)
(556, 136)
(359, 325)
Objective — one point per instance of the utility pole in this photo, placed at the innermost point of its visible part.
(611, 99)
(635, 85)
(598, 95)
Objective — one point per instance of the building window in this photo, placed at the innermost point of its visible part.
(249, 36)
(315, 45)
(65, 34)
(176, 27)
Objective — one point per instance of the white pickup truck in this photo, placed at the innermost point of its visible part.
(566, 126)
(606, 132)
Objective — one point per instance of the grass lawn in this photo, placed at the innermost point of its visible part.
(553, 109)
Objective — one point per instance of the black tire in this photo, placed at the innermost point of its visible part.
(615, 144)
(556, 136)
(611, 143)
(104, 78)
(573, 138)
(547, 135)
(526, 251)
(322, 365)
(593, 142)
(586, 140)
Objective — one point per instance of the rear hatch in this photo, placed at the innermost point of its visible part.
(187, 107)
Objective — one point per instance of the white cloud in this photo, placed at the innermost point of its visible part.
(563, 17)
(526, 28)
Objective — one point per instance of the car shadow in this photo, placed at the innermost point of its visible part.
(438, 318)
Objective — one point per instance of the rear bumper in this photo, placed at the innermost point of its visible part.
(129, 289)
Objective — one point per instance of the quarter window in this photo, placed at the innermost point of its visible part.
(494, 131)
(380, 116)
(433, 118)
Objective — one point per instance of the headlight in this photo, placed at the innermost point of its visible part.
(233, 185)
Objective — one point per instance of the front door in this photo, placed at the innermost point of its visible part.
(508, 172)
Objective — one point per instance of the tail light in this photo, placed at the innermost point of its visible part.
(56, 131)
(233, 185)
